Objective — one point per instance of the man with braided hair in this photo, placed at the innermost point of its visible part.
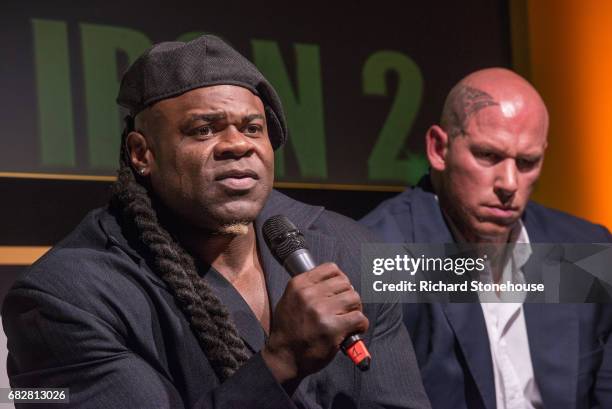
(168, 297)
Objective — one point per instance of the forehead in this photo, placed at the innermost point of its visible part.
(230, 99)
(508, 129)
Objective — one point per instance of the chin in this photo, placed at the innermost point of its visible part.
(492, 233)
(234, 229)
(237, 211)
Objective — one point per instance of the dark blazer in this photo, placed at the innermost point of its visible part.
(570, 344)
(93, 317)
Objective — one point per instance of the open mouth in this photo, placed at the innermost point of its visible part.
(237, 174)
(238, 179)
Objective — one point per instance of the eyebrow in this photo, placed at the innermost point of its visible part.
(486, 146)
(531, 158)
(252, 117)
(497, 151)
(218, 116)
(205, 117)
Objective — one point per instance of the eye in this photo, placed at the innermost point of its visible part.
(487, 157)
(526, 165)
(252, 129)
(206, 130)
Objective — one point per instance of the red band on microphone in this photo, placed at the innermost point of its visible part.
(355, 348)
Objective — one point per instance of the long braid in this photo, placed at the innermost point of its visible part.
(208, 317)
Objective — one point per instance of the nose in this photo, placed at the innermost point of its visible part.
(506, 182)
(232, 144)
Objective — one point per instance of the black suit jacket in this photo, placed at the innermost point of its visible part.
(570, 344)
(92, 316)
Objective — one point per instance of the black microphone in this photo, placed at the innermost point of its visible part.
(287, 244)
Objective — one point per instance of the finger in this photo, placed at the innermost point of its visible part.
(335, 285)
(353, 322)
(320, 273)
(344, 302)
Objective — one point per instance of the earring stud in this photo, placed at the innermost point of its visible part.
(141, 171)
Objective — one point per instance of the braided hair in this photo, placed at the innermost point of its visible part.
(208, 317)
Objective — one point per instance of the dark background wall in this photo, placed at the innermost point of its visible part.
(361, 83)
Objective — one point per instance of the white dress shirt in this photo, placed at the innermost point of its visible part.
(515, 384)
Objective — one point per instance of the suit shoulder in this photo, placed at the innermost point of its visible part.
(316, 218)
(393, 219)
(398, 204)
(82, 268)
(342, 227)
(562, 226)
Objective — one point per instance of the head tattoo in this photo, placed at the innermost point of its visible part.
(461, 104)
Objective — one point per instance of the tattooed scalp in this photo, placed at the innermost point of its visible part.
(461, 104)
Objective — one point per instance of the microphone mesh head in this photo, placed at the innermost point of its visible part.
(282, 237)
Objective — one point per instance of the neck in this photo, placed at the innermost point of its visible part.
(230, 253)
(493, 247)
(460, 230)
(233, 253)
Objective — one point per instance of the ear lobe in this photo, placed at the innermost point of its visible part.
(436, 143)
(139, 152)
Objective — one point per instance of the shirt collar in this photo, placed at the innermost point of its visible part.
(519, 256)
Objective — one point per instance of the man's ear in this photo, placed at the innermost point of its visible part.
(436, 143)
(140, 153)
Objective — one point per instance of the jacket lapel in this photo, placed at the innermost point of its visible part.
(321, 246)
(466, 320)
(553, 331)
(553, 344)
(470, 330)
(246, 322)
(428, 222)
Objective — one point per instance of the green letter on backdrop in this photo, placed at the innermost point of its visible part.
(55, 121)
(191, 35)
(383, 163)
(304, 108)
(100, 45)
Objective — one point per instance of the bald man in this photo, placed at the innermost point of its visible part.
(485, 157)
